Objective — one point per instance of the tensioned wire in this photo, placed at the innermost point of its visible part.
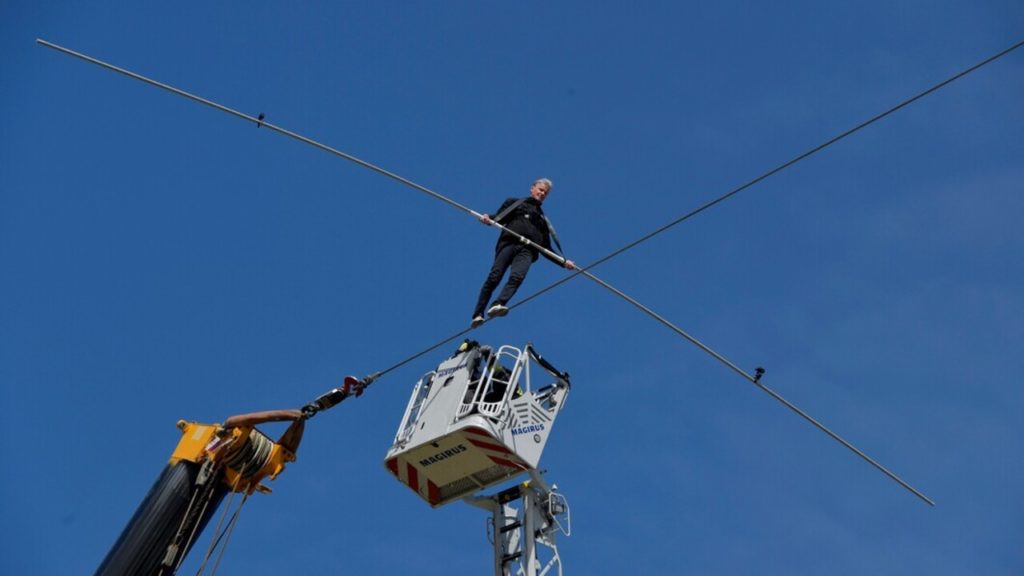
(725, 196)
(259, 121)
(718, 200)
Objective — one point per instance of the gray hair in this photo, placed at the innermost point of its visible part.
(544, 181)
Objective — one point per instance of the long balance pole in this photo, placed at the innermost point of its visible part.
(581, 271)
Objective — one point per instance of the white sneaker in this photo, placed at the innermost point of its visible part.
(477, 320)
(497, 310)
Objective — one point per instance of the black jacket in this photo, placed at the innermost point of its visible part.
(527, 219)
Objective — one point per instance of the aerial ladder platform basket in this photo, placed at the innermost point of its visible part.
(479, 419)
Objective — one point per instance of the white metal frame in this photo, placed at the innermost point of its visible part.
(485, 384)
(413, 409)
(524, 539)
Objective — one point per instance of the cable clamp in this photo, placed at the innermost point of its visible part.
(352, 387)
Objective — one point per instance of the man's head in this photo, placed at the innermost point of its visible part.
(540, 189)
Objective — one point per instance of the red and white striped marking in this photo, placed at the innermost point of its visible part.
(497, 452)
(409, 475)
(482, 443)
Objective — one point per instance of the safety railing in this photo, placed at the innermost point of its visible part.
(489, 394)
(414, 408)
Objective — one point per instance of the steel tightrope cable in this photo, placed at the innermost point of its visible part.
(735, 191)
(585, 271)
(808, 153)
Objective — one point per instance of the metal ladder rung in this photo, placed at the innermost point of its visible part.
(513, 526)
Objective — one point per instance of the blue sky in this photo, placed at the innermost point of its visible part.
(162, 260)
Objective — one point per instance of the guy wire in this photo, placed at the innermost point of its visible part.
(585, 271)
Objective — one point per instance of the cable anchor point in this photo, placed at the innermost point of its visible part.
(352, 387)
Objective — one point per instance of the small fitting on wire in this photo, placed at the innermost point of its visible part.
(361, 385)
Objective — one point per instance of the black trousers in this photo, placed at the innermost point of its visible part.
(513, 255)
